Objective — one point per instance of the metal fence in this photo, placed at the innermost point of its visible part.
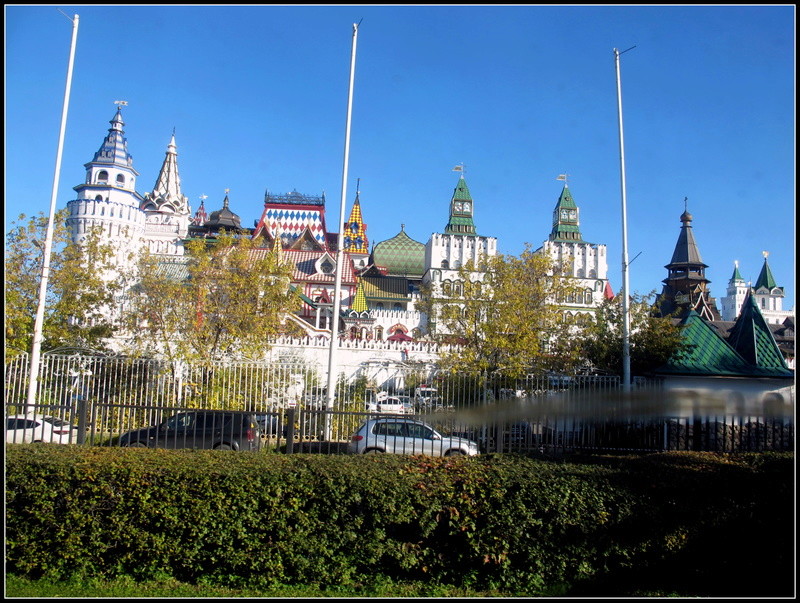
(99, 398)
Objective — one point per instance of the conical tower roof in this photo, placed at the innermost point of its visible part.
(114, 150)
(166, 193)
(686, 249)
(354, 230)
(765, 278)
(360, 301)
(737, 276)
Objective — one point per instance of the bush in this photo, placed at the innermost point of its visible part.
(495, 521)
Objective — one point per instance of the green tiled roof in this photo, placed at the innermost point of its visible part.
(174, 270)
(401, 255)
(753, 339)
(765, 278)
(460, 224)
(710, 355)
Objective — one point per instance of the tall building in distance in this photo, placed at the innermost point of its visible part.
(686, 286)
(584, 264)
(767, 295)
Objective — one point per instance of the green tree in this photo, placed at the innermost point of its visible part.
(504, 320)
(653, 339)
(78, 294)
(227, 298)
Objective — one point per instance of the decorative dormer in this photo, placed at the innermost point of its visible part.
(325, 264)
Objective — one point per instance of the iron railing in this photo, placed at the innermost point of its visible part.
(103, 397)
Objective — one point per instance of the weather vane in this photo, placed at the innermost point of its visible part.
(686, 204)
(563, 177)
(459, 168)
(121, 103)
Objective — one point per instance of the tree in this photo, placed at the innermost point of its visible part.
(224, 298)
(502, 316)
(77, 292)
(653, 339)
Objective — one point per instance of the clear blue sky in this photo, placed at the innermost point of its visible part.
(518, 94)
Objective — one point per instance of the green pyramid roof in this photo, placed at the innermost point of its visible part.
(765, 278)
(753, 339)
(460, 224)
(710, 355)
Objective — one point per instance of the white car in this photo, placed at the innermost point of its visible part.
(403, 435)
(392, 405)
(39, 428)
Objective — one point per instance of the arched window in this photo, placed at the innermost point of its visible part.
(102, 177)
(120, 180)
(379, 306)
(447, 288)
(397, 307)
(445, 264)
(379, 333)
(98, 198)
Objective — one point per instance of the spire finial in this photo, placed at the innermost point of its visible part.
(765, 254)
(686, 204)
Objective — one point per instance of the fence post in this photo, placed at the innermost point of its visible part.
(290, 430)
(81, 407)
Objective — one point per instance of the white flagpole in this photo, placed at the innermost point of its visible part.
(626, 311)
(48, 242)
(340, 244)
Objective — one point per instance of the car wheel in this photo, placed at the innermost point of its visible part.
(455, 452)
(223, 447)
(136, 445)
(374, 451)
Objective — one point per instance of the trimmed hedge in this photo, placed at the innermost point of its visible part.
(496, 521)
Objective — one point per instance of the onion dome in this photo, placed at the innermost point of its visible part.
(400, 256)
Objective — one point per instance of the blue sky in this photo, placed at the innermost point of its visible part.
(517, 94)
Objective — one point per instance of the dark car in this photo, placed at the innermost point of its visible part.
(218, 429)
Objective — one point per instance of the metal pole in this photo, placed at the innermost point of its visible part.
(340, 243)
(48, 242)
(626, 310)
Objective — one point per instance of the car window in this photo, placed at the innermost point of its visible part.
(181, 420)
(21, 424)
(393, 428)
(415, 430)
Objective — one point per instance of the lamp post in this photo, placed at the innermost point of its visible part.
(626, 310)
(36, 347)
(339, 246)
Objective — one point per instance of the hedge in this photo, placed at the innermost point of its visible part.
(506, 522)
